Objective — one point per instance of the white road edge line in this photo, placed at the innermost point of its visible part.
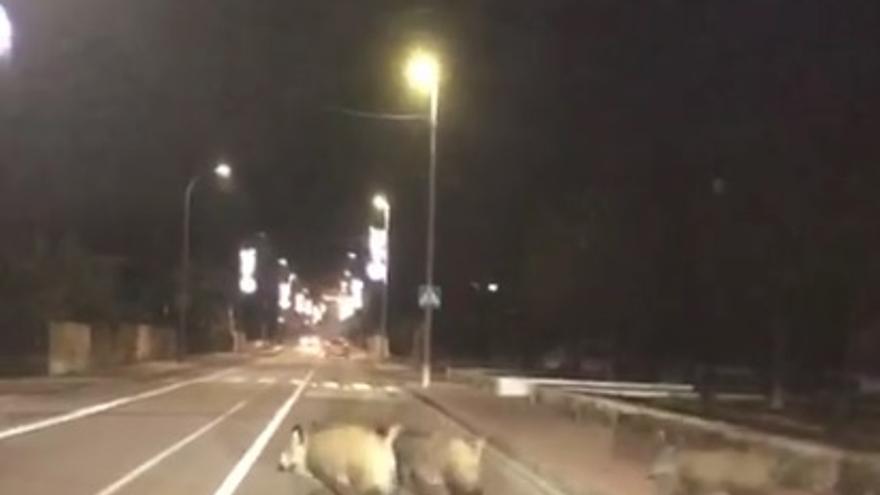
(161, 456)
(103, 406)
(244, 465)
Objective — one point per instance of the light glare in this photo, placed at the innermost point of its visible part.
(377, 267)
(247, 265)
(5, 33)
(380, 202)
(223, 171)
(423, 71)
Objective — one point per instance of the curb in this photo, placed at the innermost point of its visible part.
(525, 468)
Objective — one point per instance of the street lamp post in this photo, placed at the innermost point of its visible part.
(423, 73)
(222, 171)
(380, 202)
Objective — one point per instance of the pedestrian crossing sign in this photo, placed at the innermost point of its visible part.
(429, 296)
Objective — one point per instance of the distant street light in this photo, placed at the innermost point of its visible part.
(221, 171)
(247, 270)
(423, 73)
(380, 202)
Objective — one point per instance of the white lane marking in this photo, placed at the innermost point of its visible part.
(161, 456)
(330, 385)
(295, 381)
(235, 379)
(241, 469)
(104, 406)
(361, 386)
(391, 389)
(267, 380)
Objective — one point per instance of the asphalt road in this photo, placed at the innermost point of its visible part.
(209, 431)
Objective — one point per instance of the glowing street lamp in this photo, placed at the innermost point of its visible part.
(423, 74)
(423, 71)
(380, 202)
(224, 172)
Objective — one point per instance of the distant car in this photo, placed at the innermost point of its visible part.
(338, 346)
(310, 345)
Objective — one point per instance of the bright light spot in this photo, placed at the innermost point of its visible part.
(5, 33)
(423, 71)
(347, 273)
(223, 171)
(284, 291)
(282, 261)
(299, 303)
(248, 286)
(345, 308)
(380, 202)
(280, 319)
(377, 268)
(317, 313)
(247, 265)
(352, 255)
(357, 293)
(493, 287)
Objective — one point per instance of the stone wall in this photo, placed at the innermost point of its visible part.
(70, 346)
(77, 347)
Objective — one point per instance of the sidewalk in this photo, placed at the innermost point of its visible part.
(577, 457)
(31, 398)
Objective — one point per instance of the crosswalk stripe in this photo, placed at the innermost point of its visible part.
(327, 385)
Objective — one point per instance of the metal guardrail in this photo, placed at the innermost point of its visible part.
(522, 386)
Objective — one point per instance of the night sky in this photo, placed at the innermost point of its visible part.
(109, 106)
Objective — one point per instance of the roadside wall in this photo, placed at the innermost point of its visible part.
(792, 466)
(70, 346)
(77, 347)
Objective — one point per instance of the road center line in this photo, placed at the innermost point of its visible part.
(244, 465)
(104, 406)
(146, 466)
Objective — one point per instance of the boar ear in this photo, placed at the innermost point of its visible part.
(297, 435)
(479, 445)
(390, 433)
